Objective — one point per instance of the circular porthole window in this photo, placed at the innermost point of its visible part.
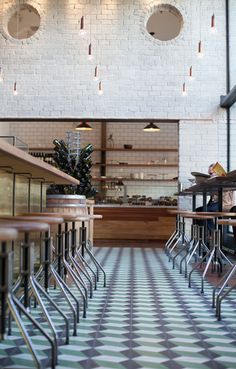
(24, 22)
(165, 23)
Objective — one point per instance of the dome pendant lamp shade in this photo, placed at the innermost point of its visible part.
(151, 127)
(83, 126)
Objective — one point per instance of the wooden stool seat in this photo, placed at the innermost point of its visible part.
(8, 234)
(28, 218)
(218, 213)
(24, 226)
(82, 218)
(192, 215)
(66, 216)
(177, 211)
(95, 216)
(227, 222)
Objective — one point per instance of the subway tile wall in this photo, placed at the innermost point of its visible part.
(41, 135)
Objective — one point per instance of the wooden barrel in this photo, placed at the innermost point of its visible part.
(68, 204)
(65, 200)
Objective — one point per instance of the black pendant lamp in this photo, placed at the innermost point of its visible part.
(83, 126)
(151, 127)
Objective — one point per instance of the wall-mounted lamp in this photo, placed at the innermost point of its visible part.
(83, 126)
(151, 127)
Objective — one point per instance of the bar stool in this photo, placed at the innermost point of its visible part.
(178, 235)
(45, 266)
(85, 244)
(65, 263)
(175, 236)
(52, 269)
(212, 255)
(228, 276)
(196, 244)
(6, 234)
(13, 303)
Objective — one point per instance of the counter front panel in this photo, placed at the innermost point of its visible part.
(133, 223)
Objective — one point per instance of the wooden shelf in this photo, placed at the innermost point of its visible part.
(18, 161)
(41, 149)
(112, 179)
(112, 149)
(138, 149)
(137, 165)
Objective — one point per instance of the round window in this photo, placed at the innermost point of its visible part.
(165, 23)
(24, 22)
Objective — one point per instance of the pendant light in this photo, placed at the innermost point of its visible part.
(151, 127)
(213, 27)
(1, 75)
(199, 50)
(83, 126)
(190, 74)
(15, 92)
(82, 30)
(100, 89)
(90, 56)
(184, 90)
(199, 47)
(95, 76)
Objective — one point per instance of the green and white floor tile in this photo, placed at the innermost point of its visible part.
(145, 318)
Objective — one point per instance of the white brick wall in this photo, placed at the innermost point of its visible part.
(232, 4)
(142, 77)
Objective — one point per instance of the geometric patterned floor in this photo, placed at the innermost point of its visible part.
(146, 317)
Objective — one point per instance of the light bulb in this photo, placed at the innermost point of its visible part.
(190, 74)
(100, 90)
(184, 91)
(90, 56)
(213, 27)
(15, 92)
(95, 77)
(82, 31)
(200, 53)
(1, 75)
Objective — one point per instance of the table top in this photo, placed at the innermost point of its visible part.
(19, 161)
(213, 184)
(227, 222)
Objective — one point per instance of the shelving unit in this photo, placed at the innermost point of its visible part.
(151, 169)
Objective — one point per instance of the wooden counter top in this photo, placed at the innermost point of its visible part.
(20, 162)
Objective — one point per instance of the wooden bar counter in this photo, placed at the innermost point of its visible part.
(127, 222)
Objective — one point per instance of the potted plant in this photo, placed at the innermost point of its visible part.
(76, 166)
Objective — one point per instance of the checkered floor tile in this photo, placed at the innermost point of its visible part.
(146, 317)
